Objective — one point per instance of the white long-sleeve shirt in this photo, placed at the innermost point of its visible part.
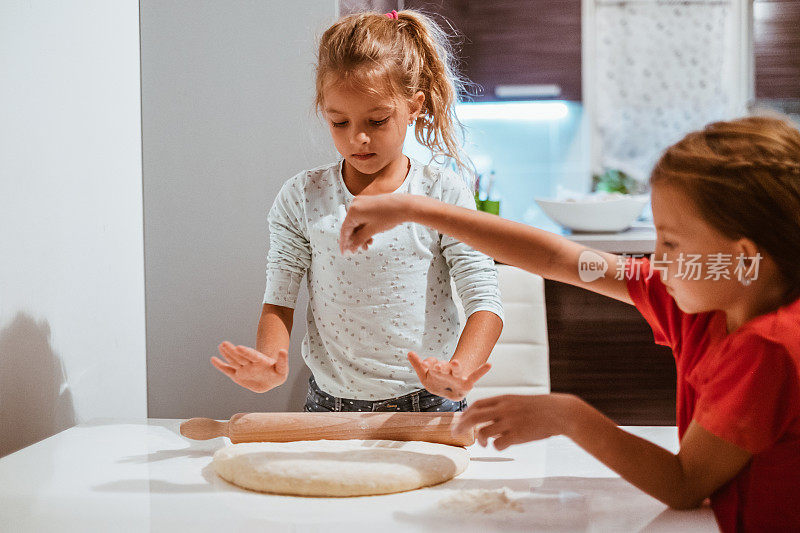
(368, 310)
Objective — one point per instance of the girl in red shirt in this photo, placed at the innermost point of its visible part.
(722, 290)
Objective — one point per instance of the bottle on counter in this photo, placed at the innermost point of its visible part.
(491, 202)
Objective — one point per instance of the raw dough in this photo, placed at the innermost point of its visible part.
(339, 467)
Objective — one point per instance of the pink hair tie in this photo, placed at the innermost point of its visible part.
(392, 15)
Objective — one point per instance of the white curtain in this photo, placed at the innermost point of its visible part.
(662, 70)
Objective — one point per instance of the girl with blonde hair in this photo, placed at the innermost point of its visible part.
(383, 330)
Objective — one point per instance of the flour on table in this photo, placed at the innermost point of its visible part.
(481, 501)
(339, 467)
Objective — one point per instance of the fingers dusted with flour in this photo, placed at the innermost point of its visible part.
(368, 216)
(514, 419)
(446, 378)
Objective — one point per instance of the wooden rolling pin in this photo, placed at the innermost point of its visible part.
(287, 427)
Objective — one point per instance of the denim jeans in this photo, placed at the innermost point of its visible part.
(318, 401)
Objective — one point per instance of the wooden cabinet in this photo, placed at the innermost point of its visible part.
(776, 47)
(516, 43)
(603, 351)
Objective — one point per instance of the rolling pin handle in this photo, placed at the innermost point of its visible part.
(204, 428)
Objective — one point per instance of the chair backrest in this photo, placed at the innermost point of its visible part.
(520, 359)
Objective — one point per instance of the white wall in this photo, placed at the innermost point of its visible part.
(227, 91)
(72, 343)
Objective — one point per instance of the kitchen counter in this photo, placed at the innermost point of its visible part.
(142, 475)
(640, 238)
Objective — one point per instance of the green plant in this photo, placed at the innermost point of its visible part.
(613, 180)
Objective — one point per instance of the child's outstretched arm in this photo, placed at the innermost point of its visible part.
(541, 252)
(683, 480)
(267, 366)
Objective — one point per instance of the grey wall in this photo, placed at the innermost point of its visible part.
(227, 91)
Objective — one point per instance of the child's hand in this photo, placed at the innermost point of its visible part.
(445, 378)
(368, 215)
(512, 419)
(252, 369)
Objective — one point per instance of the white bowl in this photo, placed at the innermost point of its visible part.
(611, 214)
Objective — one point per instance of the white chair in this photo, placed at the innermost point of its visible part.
(520, 359)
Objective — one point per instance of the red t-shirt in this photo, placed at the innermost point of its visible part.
(743, 388)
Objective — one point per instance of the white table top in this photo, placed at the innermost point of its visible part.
(117, 475)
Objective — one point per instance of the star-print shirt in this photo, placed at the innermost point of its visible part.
(366, 311)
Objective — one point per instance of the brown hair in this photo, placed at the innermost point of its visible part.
(397, 57)
(744, 177)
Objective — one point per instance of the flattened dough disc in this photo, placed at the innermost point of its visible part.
(339, 467)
